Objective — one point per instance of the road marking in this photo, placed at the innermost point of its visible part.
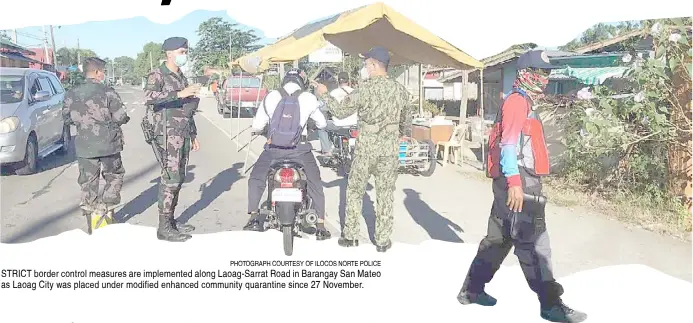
(328, 219)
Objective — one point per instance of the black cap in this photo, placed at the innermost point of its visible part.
(174, 43)
(380, 54)
(534, 59)
(343, 77)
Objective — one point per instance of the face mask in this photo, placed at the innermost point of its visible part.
(181, 60)
(364, 73)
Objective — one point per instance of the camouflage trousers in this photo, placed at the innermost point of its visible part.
(173, 173)
(90, 172)
(384, 168)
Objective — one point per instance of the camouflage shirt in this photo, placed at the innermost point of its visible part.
(97, 112)
(384, 114)
(169, 111)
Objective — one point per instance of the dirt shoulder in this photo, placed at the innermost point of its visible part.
(664, 222)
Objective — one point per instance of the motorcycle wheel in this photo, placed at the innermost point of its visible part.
(288, 233)
(428, 171)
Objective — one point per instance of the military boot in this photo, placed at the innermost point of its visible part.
(181, 227)
(384, 247)
(87, 215)
(167, 230)
(347, 243)
(559, 312)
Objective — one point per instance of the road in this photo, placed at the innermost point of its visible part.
(445, 206)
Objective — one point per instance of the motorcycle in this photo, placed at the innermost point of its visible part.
(344, 142)
(288, 208)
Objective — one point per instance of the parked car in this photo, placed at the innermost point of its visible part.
(31, 125)
(240, 90)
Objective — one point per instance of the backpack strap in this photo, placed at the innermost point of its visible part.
(283, 94)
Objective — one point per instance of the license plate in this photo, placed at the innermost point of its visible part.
(247, 104)
(287, 195)
(352, 142)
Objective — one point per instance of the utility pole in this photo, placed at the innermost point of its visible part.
(151, 63)
(14, 36)
(79, 58)
(45, 45)
(53, 44)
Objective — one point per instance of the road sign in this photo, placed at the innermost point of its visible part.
(327, 54)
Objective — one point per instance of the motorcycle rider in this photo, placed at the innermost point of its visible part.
(335, 124)
(294, 85)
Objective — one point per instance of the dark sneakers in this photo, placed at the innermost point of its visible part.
(321, 233)
(253, 224)
(562, 313)
(483, 299)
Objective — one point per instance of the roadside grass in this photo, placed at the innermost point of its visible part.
(666, 218)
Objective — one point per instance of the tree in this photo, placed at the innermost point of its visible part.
(68, 56)
(142, 64)
(628, 144)
(124, 67)
(601, 32)
(220, 42)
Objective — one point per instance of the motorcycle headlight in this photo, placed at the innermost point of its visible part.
(8, 125)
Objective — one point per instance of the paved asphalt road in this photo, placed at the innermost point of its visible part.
(445, 206)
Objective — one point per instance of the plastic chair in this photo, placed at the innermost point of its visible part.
(454, 145)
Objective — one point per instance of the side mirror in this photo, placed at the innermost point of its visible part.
(42, 96)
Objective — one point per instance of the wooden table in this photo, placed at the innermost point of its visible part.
(435, 133)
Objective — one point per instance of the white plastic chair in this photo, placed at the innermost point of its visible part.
(453, 145)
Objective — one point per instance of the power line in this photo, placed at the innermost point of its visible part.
(29, 35)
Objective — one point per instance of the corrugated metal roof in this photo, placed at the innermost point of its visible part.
(592, 75)
(20, 57)
(4, 43)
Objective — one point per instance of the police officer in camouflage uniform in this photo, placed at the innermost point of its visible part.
(168, 98)
(384, 117)
(98, 113)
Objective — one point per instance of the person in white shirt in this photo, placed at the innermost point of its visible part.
(294, 83)
(338, 94)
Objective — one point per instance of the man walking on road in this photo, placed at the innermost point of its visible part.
(171, 104)
(384, 116)
(517, 158)
(98, 113)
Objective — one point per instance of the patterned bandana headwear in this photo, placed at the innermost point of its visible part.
(532, 83)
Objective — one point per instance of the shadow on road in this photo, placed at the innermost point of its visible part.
(211, 190)
(52, 161)
(368, 209)
(146, 199)
(437, 226)
(35, 230)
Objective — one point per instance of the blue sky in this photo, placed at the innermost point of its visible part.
(122, 37)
